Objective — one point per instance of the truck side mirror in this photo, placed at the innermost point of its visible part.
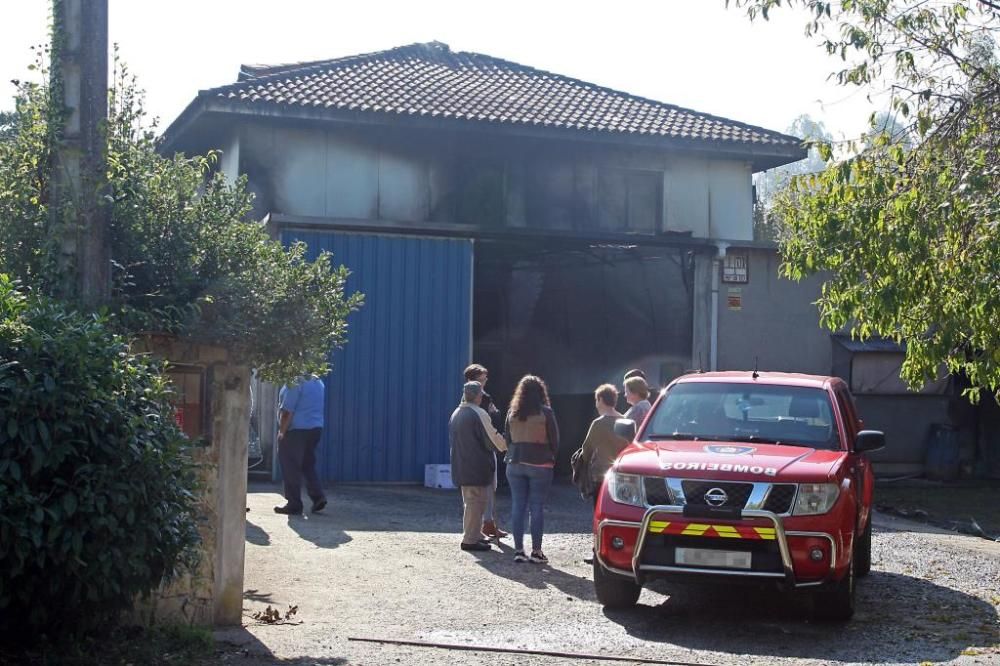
(869, 440)
(625, 428)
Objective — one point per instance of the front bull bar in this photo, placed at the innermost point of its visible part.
(781, 536)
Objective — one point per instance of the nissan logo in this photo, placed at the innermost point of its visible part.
(716, 497)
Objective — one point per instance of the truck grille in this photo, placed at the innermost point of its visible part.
(780, 498)
(656, 491)
(737, 494)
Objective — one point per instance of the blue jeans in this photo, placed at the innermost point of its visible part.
(529, 486)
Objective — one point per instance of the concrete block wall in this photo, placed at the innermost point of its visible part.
(212, 595)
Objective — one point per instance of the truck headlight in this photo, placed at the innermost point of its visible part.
(626, 488)
(815, 498)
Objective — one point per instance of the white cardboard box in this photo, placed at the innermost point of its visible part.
(438, 476)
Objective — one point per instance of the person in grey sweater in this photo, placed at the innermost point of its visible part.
(602, 445)
(637, 395)
(473, 462)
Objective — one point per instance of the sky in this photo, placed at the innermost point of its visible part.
(693, 53)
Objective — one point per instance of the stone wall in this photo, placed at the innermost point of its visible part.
(213, 593)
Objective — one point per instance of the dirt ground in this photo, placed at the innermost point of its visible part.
(384, 562)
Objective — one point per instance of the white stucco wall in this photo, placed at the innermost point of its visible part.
(229, 161)
(328, 174)
(687, 196)
(710, 198)
(730, 204)
(336, 174)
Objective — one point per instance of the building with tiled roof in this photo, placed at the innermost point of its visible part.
(427, 84)
(495, 212)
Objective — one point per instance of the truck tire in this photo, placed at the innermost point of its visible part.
(863, 551)
(835, 601)
(614, 591)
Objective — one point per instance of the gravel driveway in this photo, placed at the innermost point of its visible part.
(384, 562)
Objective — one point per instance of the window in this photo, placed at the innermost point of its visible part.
(746, 412)
(630, 200)
(188, 399)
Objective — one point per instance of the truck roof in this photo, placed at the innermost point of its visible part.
(771, 378)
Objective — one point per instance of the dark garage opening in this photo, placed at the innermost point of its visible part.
(579, 314)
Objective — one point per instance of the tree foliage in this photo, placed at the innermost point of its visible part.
(96, 484)
(7, 119)
(767, 225)
(908, 230)
(185, 258)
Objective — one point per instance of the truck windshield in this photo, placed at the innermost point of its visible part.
(792, 415)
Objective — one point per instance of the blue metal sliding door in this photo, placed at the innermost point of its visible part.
(395, 383)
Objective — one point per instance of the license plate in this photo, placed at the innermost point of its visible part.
(703, 557)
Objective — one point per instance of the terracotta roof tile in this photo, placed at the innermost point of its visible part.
(431, 80)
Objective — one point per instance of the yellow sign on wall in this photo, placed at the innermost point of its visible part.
(734, 299)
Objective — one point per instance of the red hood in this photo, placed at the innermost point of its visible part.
(731, 460)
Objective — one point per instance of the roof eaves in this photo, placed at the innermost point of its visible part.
(207, 102)
(182, 123)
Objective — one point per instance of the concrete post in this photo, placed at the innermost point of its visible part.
(212, 594)
(80, 75)
(701, 334)
(230, 394)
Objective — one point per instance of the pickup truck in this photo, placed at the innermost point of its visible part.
(741, 477)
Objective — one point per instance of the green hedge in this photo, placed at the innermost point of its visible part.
(96, 487)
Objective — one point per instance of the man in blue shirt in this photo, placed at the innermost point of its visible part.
(299, 428)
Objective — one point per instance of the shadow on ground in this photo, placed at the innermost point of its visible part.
(409, 508)
(534, 576)
(320, 529)
(762, 622)
(256, 535)
(256, 595)
(238, 643)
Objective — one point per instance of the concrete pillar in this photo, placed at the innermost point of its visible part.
(213, 594)
(230, 404)
(80, 74)
(701, 335)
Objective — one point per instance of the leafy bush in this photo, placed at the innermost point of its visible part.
(185, 258)
(96, 487)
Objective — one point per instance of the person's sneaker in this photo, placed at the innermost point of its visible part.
(288, 510)
(538, 557)
(479, 546)
(319, 505)
(491, 530)
(519, 556)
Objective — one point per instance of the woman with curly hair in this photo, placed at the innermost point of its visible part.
(532, 436)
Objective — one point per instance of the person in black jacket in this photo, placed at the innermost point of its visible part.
(473, 462)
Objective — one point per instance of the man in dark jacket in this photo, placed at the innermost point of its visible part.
(473, 463)
(478, 373)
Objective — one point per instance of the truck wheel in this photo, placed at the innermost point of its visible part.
(614, 591)
(835, 602)
(863, 550)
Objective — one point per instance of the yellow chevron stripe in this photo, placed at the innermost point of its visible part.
(765, 532)
(657, 526)
(727, 531)
(695, 529)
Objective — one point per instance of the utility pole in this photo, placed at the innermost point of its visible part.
(80, 84)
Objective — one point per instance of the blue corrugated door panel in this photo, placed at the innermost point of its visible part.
(399, 377)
